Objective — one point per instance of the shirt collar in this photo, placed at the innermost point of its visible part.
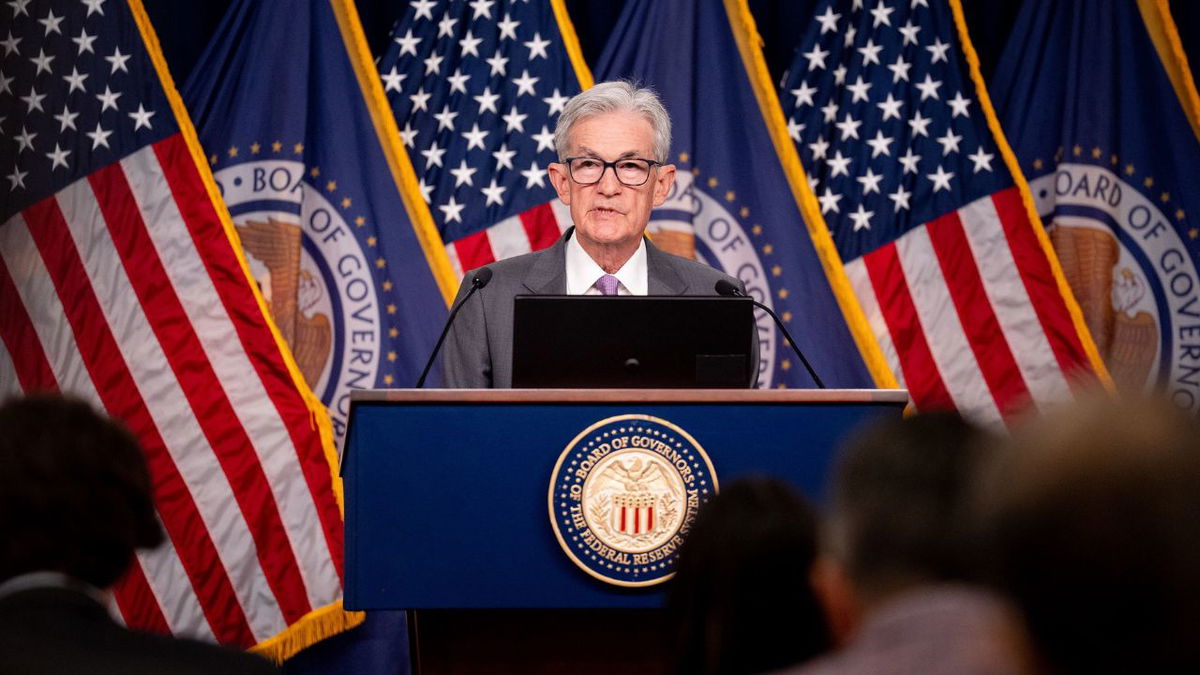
(48, 579)
(582, 271)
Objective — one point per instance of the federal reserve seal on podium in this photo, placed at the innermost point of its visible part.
(624, 494)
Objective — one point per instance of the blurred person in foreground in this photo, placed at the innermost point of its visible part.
(75, 502)
(898, 572)
(1096, 517)
(740, 600)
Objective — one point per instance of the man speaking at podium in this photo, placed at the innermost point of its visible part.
(612, 143)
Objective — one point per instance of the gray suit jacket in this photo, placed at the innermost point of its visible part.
(478, 350)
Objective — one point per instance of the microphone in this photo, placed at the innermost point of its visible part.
(482, 276)
(728, 289)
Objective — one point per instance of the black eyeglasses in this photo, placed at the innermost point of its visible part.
(631, 172)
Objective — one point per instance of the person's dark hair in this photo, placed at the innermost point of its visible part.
(903, 491)
(1096, 514)
(75, 494)
(741, 600)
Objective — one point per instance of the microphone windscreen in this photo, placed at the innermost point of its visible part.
(482, 277)
(727, 288)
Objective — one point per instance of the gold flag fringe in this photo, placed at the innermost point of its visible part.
(309, 630)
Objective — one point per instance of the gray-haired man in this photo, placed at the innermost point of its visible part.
(612, 143)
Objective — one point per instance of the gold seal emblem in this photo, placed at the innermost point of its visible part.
(1109, 295)
(292, 292)
(623, 496)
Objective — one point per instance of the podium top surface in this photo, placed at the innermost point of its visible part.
(743, 396)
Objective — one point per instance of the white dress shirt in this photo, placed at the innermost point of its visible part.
(582, 271)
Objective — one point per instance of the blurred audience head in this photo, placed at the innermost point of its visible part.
(1096, 516)
(75, 494)
(741, 598)
(902, 496)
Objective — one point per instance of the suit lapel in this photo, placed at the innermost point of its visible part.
(662, 277)
(547, 274)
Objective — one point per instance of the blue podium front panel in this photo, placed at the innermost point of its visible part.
(447, 500)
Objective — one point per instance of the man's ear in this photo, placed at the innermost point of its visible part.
(560, 181)
(663, 182)
(843, 609)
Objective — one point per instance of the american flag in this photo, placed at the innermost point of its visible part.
(476, 88)
(120, 283)
(885, 106)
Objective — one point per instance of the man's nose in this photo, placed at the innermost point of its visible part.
(609, 185)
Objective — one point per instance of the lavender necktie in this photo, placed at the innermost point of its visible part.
(607, 284)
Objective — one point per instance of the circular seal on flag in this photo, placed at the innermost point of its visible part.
(624, 494)
(1131, 272)
(311, 260)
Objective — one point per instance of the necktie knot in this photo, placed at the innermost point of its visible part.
(607, 284)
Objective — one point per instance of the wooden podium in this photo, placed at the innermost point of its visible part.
(447, 512)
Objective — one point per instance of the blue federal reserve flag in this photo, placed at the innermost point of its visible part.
(1101, 110)
(308, 158)
(740, 202)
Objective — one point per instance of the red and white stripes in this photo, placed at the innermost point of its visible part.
(531, 230)
(123, 289)
(968, 313)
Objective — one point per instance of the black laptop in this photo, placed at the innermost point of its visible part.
(641, 342)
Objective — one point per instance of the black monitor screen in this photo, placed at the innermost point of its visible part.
(590, 341)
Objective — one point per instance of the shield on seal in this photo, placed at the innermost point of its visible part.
(633, 512)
